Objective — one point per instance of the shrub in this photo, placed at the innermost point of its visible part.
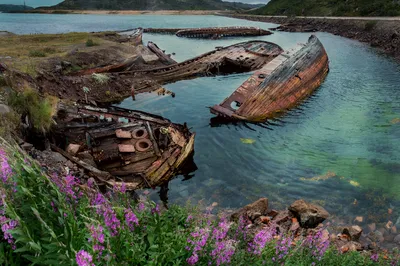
(370, 25)
(3, 81)
(39, 110)
(36, 53)
(100, 78)
(90, 43)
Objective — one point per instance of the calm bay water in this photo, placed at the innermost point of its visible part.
(340, 148)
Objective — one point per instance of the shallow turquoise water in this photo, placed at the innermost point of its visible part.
(346, 131)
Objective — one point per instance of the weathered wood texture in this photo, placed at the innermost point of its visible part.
(164, 58)
(279, 85)
(211, 33)
(241, 57)
(128, 146)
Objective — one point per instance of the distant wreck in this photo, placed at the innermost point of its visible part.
(116, 145)
(211, 33)
(279, 85)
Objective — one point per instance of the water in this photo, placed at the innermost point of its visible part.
(339, 148)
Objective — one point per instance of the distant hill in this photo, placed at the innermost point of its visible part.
(11, 8)
(153, 5)
(331, 8)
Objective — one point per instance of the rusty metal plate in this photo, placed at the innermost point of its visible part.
(126, 148)
(122, 134)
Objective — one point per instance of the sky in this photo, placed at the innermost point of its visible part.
(36, 3)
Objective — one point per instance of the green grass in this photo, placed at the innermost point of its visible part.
(36, 53)
(38, 109)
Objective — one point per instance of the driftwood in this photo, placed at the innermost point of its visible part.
(279, 85)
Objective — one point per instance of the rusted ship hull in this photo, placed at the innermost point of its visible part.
(123, 146)
(211, 33)
(279, 85)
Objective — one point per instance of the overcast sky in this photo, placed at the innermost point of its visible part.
(36, 3)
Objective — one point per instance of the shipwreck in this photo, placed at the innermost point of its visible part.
(117, 145)
(279, 85)
(212, 32)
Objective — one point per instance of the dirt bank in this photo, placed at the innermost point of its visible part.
(382, 34)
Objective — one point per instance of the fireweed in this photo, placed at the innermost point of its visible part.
(50, 220)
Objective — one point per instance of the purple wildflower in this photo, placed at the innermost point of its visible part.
(156, 210)
(96, 234)
(261, 239)
(68, 185)
(98, 200)
(7, 225)
(5, 168)
(317, 244)
(220, 232)
(192, 260)
(53, 205)
(83, 258)
(90, 182)
(141, 207)
(282, 247)
(111, 220)
(223, 251)
(131, 219)
(375, 257)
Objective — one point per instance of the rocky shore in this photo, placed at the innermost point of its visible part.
(303, 218)
(382, 34)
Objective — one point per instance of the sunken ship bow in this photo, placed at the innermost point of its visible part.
(116, 145)
(279, 85)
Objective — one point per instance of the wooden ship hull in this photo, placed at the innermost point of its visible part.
(279, 85)
(123, 146)
(237, 58)
(211, 33)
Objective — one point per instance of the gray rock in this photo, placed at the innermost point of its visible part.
(308, 214)
(4, 109)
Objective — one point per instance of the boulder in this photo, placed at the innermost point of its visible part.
(308, 214)
(354, 232)
(253, 210)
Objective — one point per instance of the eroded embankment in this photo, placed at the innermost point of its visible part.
(382, 34)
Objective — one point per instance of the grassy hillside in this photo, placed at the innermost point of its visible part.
(331, 8)
(11, 8)
(152, 5)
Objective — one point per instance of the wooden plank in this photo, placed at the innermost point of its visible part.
(152, 138)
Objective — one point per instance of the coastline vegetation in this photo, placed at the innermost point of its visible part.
(50, 219)
(330, 8)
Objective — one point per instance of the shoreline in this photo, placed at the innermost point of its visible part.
(122, 12)
(383, 33)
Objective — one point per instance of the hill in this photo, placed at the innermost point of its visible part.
(152, 5)
(11, 8)
(331, 8)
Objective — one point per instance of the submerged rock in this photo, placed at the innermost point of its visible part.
(308, 214)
